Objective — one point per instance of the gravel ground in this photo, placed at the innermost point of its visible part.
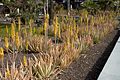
(90, 64)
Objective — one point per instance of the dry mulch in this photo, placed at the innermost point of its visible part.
(90, 64)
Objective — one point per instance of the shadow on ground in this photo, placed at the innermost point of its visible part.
(98, 66)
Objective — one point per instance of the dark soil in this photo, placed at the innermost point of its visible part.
(90, 64)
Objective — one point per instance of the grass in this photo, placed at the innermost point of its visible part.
(3, 30)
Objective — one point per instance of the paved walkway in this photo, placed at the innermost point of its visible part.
(111, 70)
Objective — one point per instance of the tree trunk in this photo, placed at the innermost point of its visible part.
(68, 6)
(51, 12)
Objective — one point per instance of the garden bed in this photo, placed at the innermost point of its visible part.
(39, 52)
(90, 64)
